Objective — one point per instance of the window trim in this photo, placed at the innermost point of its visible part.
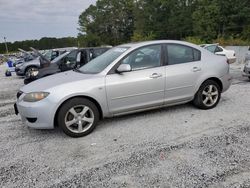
(218, 49)
(166, 53)
(113, 69)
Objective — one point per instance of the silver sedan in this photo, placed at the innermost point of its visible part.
(126, 79)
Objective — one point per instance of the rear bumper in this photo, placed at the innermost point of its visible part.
(232, 60)
(226, 82)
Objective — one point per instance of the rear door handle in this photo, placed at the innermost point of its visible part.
(155, 75)
(196, 69)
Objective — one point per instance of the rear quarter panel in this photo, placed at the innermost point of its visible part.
(213, 66)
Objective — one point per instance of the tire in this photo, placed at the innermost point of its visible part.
(29, 70)
(80, 114)
(249, 77)
(208, 95)
(8, 73)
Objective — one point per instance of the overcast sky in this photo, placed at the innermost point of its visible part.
(34, 19)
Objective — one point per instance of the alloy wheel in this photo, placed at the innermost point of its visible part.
(30, 70)
(210, 95)
(79, 118)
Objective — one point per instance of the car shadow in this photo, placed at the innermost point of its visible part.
(140, 115)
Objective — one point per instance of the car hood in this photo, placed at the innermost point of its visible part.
(32, 62)
(48, 82)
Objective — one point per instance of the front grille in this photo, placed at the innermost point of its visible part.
(19, 93)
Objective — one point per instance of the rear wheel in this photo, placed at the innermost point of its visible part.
(208, 95)
(78, 117)
(249, 77)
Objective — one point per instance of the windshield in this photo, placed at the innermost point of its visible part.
(47, 54)
(98, 64)
(211, 48)
(59, 57)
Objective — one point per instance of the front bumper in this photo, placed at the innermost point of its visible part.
(19, 71)
(38, 115)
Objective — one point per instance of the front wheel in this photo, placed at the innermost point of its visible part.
(78, 117)
(29, 71)
(208, 95)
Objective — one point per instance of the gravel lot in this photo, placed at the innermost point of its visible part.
(172, 147)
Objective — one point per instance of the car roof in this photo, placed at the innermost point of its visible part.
(144, 43)
(206, 45)
(102, 47)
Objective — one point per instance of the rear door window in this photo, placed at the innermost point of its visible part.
(177, 54)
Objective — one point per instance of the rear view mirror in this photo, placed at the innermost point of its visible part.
(124, 68)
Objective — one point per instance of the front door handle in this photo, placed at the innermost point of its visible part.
(196, 69)
(155, 75)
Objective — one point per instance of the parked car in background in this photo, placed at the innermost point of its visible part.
(219, 50)
(126, 79)
(33, 65)
(247, 57)
(67, 61)
(246, 69)
(25, 57)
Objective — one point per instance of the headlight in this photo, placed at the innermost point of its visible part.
(35, 96)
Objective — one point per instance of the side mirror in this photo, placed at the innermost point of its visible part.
(124, 68)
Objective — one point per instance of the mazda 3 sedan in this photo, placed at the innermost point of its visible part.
(126, 79)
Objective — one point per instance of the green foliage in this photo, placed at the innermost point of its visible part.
(198, 21)
(232, 41)
(89, 40)
(140, 37)
(246, 33)
(112, 22)
(195, 40)
(43, 43)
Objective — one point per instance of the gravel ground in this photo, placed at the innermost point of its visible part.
(172, 147)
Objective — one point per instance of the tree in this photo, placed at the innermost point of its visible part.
(206, 19)
(42, 44)
(109, 21)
